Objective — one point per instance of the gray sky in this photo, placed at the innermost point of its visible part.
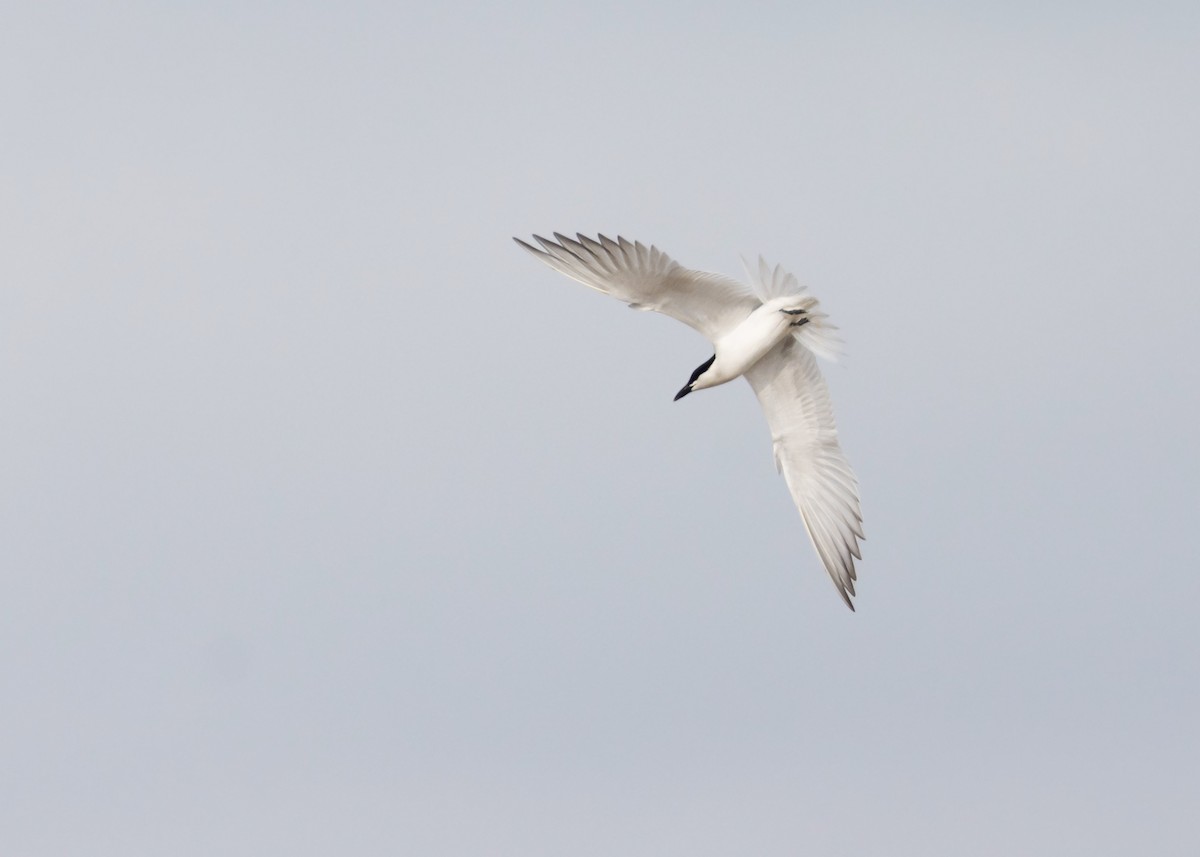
(333, 523)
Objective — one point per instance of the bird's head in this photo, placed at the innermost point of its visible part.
(696, 382)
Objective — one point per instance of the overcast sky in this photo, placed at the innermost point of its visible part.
(335, 524)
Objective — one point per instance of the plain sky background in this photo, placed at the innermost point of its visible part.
(332, 523)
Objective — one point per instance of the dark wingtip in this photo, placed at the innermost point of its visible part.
(683, 393)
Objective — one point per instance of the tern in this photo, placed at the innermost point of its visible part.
(769, 336)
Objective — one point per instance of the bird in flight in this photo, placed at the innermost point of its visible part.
(769, 337)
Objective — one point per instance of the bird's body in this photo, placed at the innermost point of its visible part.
(750, 341)
(770, 340)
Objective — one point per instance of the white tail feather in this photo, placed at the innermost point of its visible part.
(818, 335)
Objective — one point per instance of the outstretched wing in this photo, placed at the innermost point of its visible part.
(647, 278)
(796, 402)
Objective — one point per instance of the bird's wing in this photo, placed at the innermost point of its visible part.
(647, 278)
(796, 403)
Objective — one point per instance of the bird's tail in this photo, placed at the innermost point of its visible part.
(818, 334)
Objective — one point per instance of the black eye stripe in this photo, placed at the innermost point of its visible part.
(700, 369)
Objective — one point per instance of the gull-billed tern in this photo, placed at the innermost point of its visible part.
(770, 339)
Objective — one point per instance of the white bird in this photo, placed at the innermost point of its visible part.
(770, 340)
